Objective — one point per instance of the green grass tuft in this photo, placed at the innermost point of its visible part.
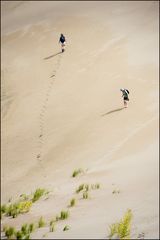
(41, 222)
(10, 232)
(85, 195)
(22, 205)
(66, 228)
(38, 194)
(31, 227)
(77, 172)
(72, 202)
(95, 186)
(86, 187)
(24, 229)
(3, 208)
(80, 188)
(64, 215)
(122, 229)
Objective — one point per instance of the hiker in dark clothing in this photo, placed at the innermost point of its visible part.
(125, 93)
(62, 40)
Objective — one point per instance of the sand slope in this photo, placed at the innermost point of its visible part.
(73, 101)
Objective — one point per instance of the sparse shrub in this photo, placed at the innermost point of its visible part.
(72, 202)
(80, 188)
(122, 229)
(10, 232)
(41, 222)
(38, 194)
(85, 195)
(77, 172)
(64, 215)
(66, 228)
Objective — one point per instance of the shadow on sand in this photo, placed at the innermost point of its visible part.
(115, 110)
(52, 56)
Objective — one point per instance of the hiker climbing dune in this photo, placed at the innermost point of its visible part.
(125, 93)
(62, 40)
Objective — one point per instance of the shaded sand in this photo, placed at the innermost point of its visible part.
(64, 111)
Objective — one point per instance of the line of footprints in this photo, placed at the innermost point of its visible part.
(44, 108)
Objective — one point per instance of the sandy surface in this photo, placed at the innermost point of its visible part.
(73, 101)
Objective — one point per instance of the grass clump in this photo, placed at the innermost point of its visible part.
(87, 187)
(77, 172)
(72, 202)
(66, 228)
(20, 207)
(122, 229)
(41, 222)
(85, 195)
(64, 215)
(20, 235)
(24, 228)
(23, 204)
(38, 194)
(10, 232)
(95, 186)
(80, 188)
(14, 209)
(3, 208)
(31, 227)
(23, 233)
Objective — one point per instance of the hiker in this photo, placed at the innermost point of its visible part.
(62, 40)
(125, 93)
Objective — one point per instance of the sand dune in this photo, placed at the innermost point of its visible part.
(64, 111)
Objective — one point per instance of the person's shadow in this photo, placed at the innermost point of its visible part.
(46, 58)
(115, 110)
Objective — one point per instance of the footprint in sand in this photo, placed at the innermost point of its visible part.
(42, 114)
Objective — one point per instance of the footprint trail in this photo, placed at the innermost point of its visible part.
(43, 111)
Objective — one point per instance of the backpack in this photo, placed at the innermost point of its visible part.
(126, 91)
(62, 39)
